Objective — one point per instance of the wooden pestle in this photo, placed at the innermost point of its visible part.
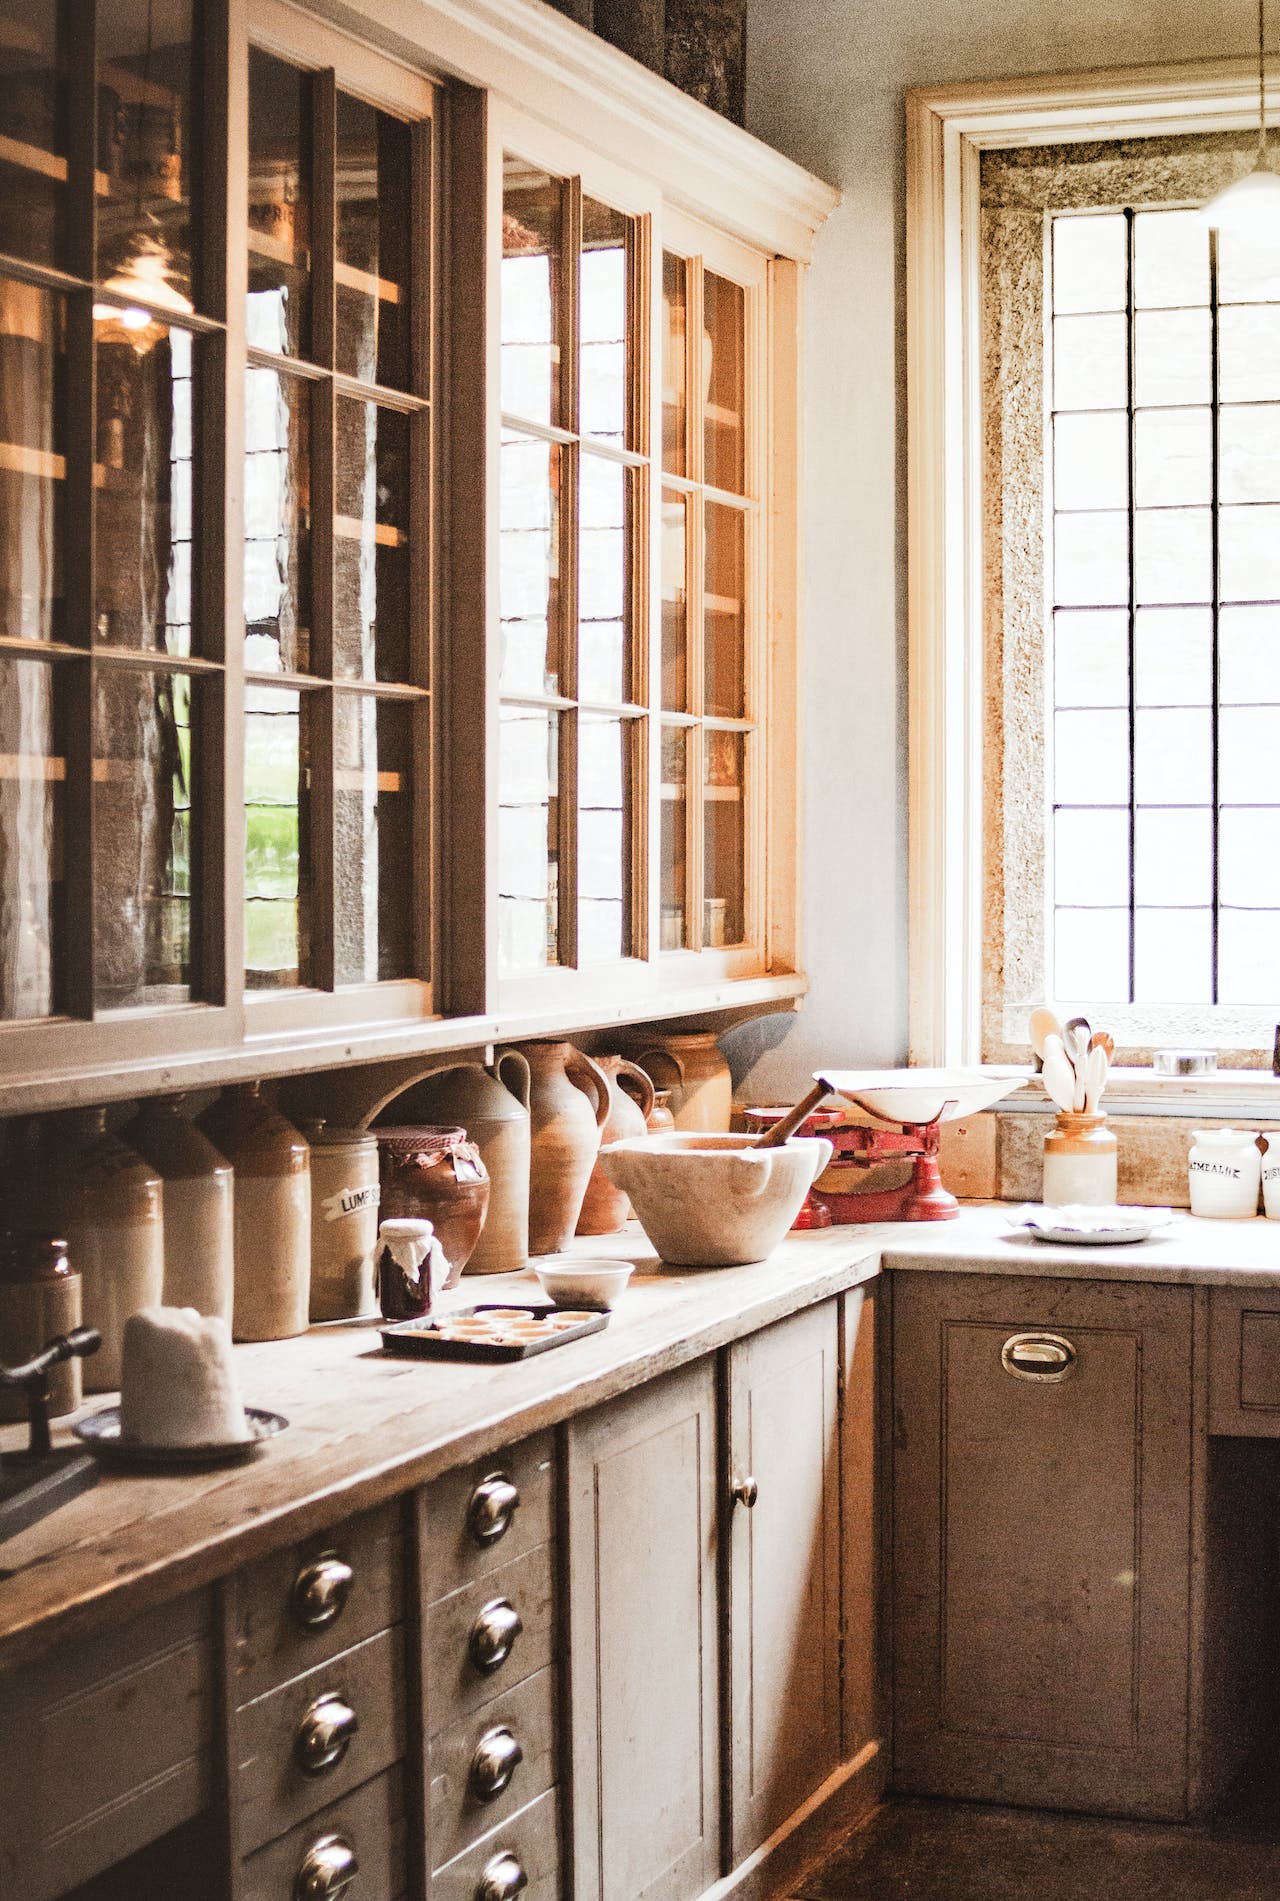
(774, 1138)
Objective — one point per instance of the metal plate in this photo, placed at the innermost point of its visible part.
(101, 1433)
(420, 1339)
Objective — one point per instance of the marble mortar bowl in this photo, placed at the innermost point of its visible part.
(713, 1200)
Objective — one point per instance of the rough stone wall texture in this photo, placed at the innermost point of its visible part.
(700, 45)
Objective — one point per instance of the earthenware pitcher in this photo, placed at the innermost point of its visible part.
(605, 1207)
(568, 1107)
(492, 1105)
(435, 1173)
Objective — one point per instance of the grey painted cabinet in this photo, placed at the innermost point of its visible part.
(1041, 1541)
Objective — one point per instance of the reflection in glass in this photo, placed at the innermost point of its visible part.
(724, 838)
(143, 489)
(371, 543)
(279, 233)
(33, 133)
(33, 770)
(530, 293)
(529, 564)
(528, 838)
(277, 771)
(675, 599)
(144, 800)
(277, 522)
(602, 322)
(604, 858)
(32, 470)
(603, 579)
(374, 908)
(145, 140)
(674, 362)
(1091, 954)
(724, 343)
(724, 612)
(374, 193)
(1090, 263)
(674, 840)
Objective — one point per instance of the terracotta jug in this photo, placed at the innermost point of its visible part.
(272, 1161)
(568, 1107)
(437, 1175)
(492, 1105)
(660, 1120)
(605, 1208)
(692, 1068)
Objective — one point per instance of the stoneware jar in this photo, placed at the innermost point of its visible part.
(434, 1174)
(605, 1207)
(199, 1209)
(345, 1194)
(695, 1073)
(1225, 1168)
(568, 1105)
(272, 1161)
(1079, 1162)
(492, 1105)
(108, 1204)
(39, 1299)
(1271, 1178)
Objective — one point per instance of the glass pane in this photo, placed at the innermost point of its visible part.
(1249, 351)
(1091, 955)
(1174, 856)
(530, 293)
(374, 897)
(1173, 451)
(1171, 555)
(1248, 955)
(1248, 267)
(1249, 856)
(1091, 658)
(1091, 758)
(675, 600)
(1250, 450)
(724, 839)
(33, 771)
(277, 522)
(143, 488)
(278, 314)
(277, 872)
(373, 244)
(605, 813)
(1171, 357)
(529, 565)
(1249, 655)
(674, 363)
(1248, 749)
(528, 838)
(604, 577)
(1090, 263)
(1091, 460)
(32, 470)
(1089, 359)
(602, 323)
(1091, 560)
(146, 148)
(1174, 656)
(724, 612)
(371, 543)
(1090, 856)
(1173, 756)
(1173, 957)
(724, 342)
(673, 934)
(1170, 258)
(145, 778)
(33, 169)
(1249, 541)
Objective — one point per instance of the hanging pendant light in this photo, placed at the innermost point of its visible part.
(1250, 208)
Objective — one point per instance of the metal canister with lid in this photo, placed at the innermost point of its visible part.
(39, 1298)
(344, 1223)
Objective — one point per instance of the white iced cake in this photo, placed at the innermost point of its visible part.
(178, 1386)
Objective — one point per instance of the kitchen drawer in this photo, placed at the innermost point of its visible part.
(272, 1638)
(454, 1555)
(274, 1791)
(532, 1836)
(455, 1685)
(1244, 1362)
(458, 1816)
(370, 1820)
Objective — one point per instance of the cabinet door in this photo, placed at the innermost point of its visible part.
(642, 1647)
(1042, 1544)
(784, 1568)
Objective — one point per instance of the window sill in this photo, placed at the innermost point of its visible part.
(1132, 1092)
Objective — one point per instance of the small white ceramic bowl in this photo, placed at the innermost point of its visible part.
(580, 1282)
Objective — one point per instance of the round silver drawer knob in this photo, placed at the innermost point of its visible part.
(493, 1635)
(320, 1591)
(502, 1879)
(327, 1870)
(324, 1734)
(492, 1507)
(745, 1493)
(497, 1757)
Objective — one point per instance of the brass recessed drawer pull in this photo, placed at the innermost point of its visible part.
(746, 1492)
(493, 1635)
(320, 1590)
(498, 1755)
(502, 1879)
(493, 1505)
(324, 1735)
(1045, 1357)
(327, 1871)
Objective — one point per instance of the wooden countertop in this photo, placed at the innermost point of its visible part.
(365, 1426)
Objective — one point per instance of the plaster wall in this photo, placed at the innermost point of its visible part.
(826, 83)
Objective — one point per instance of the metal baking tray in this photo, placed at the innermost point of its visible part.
(420, 1339)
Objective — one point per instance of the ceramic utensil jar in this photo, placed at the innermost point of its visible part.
(39, 1299)
(568, 1106)
(199, 1211)
(1225, 1167)
(1079, 1162)
(492, 1105)
(344, 1222)
(272, 1161)
(435, 1175)
(606, 1208)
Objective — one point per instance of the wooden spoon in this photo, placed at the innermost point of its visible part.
(774, 1138)
(1095, 1077)
(1059, 1076)
(1042, 1023)
(1100, 1040)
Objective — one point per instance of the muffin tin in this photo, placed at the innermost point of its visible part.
(491, 1332)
